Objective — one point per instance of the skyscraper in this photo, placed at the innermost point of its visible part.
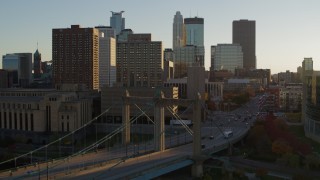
(185, 57)
(117, 22)
(195, 37)
(227, 57)
(244, 33)
(194, 31)
(123, 36)
(37, 70)
(107, 56)
(75, 56)
(140, 61)
(178, 34)
(22, 64)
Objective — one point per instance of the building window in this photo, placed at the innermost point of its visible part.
(15, 121)
(26, 122)
(0, 120)
(10, 121)
(68, 126)
(5, 119)
(62, 127)
(32, 125)
(20, 117)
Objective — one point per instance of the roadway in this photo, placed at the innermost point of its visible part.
(127, 160)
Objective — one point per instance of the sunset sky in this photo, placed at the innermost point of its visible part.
(286, 30)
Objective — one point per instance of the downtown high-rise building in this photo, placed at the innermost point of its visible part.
(185, 57)
(37, 70)
(195, 37)
(244, 33)
(140, 62)
(194, 31)
(107, 56)
(188, 44)
(75, 56)
(307, 66)
(178, 34)
(20, 65)
(117, 22)
(226, 57)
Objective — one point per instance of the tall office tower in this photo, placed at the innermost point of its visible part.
(168, 58)
(195, 36)
(194, 31)
(140, 61)
(21, 64)
(185, 57)
(123, 36)
(311, 106)
(37, 70)
(117, 22)
(213, 49)
(178, 34)
(107, 56)
(306, 77)
(75, 56)
(307, 67)
(168, 55)
(244, 33)
(227, 57)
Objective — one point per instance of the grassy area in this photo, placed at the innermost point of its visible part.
(299, 132)
(293, 117)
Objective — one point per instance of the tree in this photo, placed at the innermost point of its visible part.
(281, 146)
(259, 139)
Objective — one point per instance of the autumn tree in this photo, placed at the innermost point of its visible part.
(281, 146)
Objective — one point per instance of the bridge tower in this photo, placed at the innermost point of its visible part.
(159, 122)
(126, 119)
(160, 102)
(197, 168)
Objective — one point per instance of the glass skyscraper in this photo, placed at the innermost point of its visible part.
(178, 34)
(194, 31)
(117, 22)
(227, 57)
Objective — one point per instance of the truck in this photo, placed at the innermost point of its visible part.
(227, 134)
(179, 122)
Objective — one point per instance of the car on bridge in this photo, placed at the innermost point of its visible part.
(227, 134)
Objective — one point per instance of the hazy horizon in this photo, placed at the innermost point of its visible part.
(286, 31)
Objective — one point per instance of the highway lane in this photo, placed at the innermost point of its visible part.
(101, 157)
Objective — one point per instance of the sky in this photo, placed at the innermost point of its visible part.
(286, 30)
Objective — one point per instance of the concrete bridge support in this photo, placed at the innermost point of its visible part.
(159, 134)
(126, 120)
(197, 168)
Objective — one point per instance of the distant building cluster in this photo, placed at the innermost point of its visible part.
(60, 95)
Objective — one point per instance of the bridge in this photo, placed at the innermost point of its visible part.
(128, 160)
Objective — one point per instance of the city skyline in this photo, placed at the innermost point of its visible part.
(286, 31)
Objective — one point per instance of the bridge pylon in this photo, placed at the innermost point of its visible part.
(159, 122)
(197, 168)
(126, 119)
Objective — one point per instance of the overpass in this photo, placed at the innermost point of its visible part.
(153, 159)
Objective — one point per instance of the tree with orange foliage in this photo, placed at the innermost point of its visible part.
(281, 146)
